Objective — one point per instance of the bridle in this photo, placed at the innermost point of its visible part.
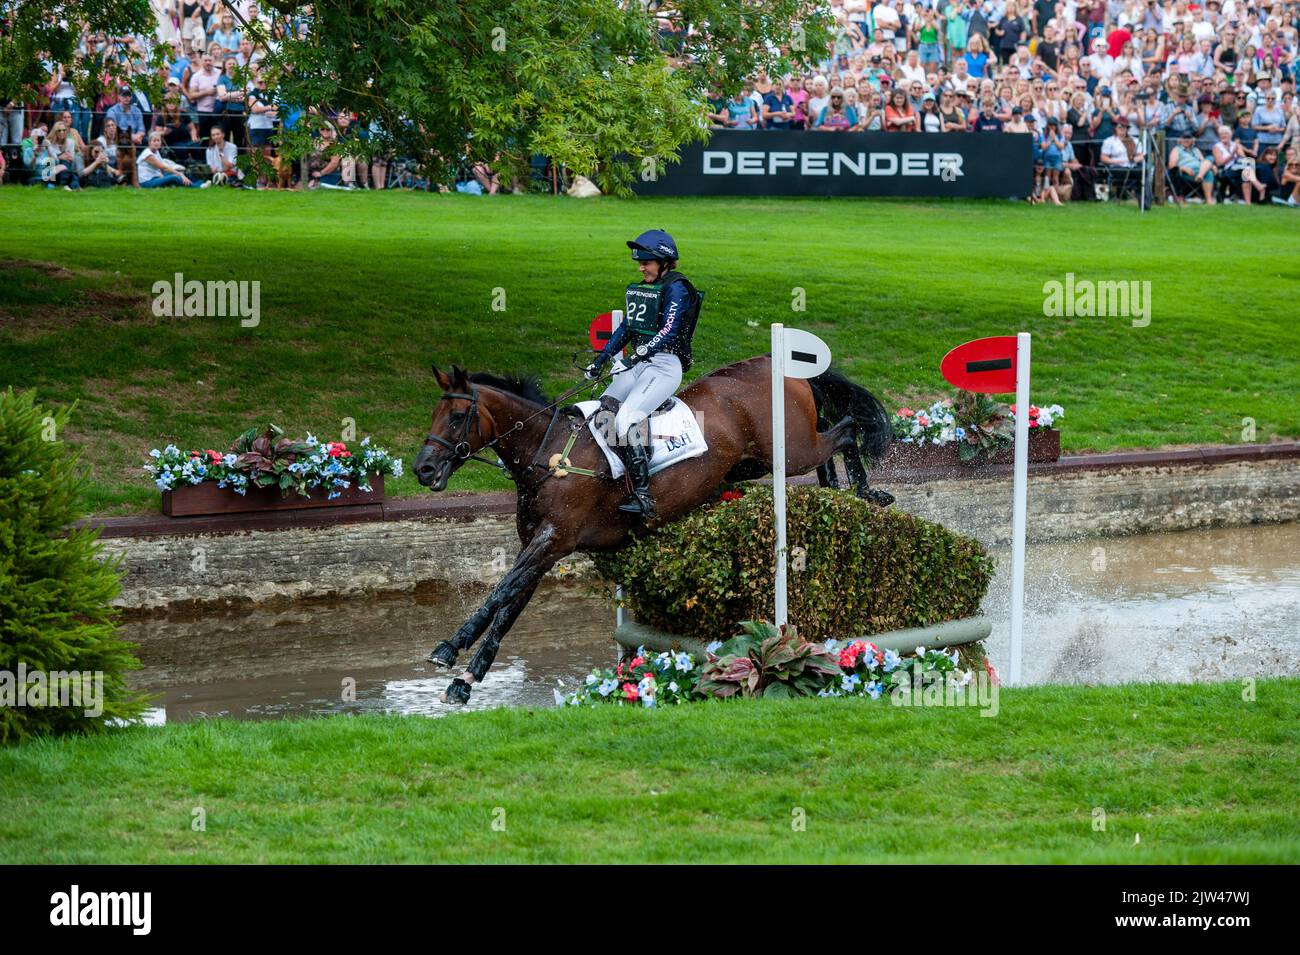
(459, 446)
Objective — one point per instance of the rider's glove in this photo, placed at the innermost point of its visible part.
(592, 371)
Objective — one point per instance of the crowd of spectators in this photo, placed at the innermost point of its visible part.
(1202, 92)
(1108, 89)
(215, 115)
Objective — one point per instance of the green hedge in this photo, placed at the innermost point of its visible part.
(866, 570)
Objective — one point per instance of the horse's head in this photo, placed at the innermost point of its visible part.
(458, 430)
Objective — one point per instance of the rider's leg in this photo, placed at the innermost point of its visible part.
(656, 380)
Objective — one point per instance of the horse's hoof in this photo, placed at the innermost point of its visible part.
(876, 496)
(443, 655)
(458, 693)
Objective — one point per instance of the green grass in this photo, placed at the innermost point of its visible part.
(360, 292)
(1199, 774)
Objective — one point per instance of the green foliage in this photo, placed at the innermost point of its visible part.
(864, 570)
(590, 84)
(35, 34)
(988, 423)
(763, 660)
(267, 456)
(54, 592)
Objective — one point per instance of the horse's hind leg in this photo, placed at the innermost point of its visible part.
(857, 473)
(827, 474)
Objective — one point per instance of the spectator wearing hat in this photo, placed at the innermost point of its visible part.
(1207, 124)
(127, 116)
(1190, 165)
(931, 121)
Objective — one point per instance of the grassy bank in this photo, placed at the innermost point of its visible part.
(359, 292)
(1196, 772)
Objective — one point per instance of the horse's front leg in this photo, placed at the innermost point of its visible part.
(444, 654)
(459, 690)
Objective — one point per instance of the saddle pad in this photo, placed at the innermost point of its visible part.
(675, 436)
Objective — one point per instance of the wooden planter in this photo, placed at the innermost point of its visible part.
(1044, 445)
(207, 498)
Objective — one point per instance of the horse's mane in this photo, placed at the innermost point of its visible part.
(524, 386)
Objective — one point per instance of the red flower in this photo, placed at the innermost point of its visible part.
(336, 449)
(993, 674)
(214, 456)
(849, 655)
(731, 495)
(905, 412)
(629, 691)
(636, 662)
(346, 454)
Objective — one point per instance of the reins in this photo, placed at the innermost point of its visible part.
(460, 448)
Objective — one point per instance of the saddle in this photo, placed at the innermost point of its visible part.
(675, 435)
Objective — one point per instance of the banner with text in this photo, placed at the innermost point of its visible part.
(809, 163)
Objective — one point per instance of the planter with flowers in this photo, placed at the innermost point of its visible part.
(971, 430)
(766, 661)
(267, 471)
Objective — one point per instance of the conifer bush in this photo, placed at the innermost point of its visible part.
(56, 621)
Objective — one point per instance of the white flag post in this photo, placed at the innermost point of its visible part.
(1020, 499)
(616, 319)
(795, 354)
(778, 465)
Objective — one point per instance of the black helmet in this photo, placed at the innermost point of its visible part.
(653, 246)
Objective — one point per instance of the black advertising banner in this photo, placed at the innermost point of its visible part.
(809, 163)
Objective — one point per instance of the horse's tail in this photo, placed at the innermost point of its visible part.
(835, 396)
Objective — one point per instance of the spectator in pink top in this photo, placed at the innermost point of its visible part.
(202, 94)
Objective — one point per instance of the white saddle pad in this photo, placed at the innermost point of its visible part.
(675, 436)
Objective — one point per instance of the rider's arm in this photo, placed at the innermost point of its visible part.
(614, 345)
(676, 301)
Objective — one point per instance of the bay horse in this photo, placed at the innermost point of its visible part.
(558, 514)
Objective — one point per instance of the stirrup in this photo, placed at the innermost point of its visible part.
(641, 503)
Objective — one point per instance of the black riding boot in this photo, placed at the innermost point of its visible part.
(637, 461)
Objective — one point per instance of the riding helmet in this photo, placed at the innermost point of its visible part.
(655, 245)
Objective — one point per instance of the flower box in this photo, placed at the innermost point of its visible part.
(1044, 446)
(265, 471)
(190, 500)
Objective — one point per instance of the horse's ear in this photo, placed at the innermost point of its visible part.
(441, 377)
(460, 378)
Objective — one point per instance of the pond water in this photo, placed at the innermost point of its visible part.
(1191, 606)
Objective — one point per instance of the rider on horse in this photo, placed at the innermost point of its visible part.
(658, 323)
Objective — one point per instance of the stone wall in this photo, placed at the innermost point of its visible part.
(168, 566)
